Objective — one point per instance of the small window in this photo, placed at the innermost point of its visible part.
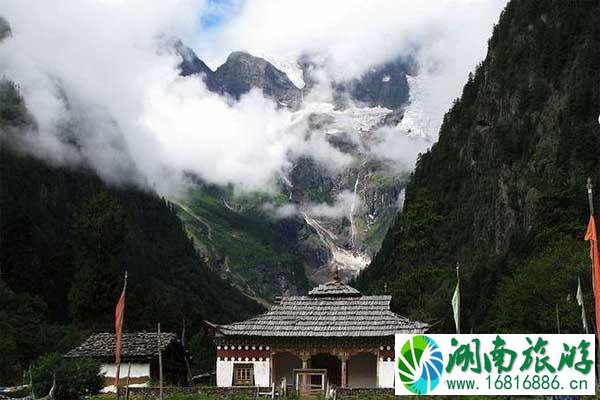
(243, 375)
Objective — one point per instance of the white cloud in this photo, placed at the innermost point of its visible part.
(283, 211)
(99, 70)
(345, 203)
(395, 145)
(447, 38)
(104, 69)
(245, 142)
(88, 65)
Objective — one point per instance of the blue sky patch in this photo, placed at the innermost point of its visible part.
(219, 12)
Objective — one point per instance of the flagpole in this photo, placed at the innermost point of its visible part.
(31, 382)
(590, 194)
(160, 367)
(118, 344)
(458, 289)
(557, 320)
(185, 358)
(589, 187)
(127, 382)
(456, 300)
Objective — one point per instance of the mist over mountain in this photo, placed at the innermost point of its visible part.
(310, 141)
(503, 191)
(165, 125)
(190, 63)
(384, 85)
(66, 240)
(327, 214)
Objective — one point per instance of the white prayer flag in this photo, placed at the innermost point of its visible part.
(581, 303)
(456, 306)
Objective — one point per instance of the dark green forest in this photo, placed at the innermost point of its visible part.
(66, 239)
(503, 191)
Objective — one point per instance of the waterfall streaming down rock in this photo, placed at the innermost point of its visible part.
(352, 211)
(348, 262)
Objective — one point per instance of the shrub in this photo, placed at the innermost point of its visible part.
(75, 378)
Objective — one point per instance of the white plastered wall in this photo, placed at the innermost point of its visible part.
(224, 373)
(262, 372)
(137, 370)
(385, 373)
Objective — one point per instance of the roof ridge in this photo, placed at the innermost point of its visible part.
(334, 288)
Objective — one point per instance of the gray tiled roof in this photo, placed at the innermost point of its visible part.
(334, 316)
(134, 344)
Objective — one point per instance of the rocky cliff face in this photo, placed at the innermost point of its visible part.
(4, 28)
(190, 63)
(385, 86)
(503, 191)
(239, 74)
(368, 186)
(242, 72)
(333, 217)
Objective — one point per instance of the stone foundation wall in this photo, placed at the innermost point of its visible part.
(152, 393)
(365, 393)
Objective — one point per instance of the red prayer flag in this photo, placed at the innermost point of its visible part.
(592, 237)
(119, 313)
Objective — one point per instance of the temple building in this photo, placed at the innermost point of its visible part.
(335, 336)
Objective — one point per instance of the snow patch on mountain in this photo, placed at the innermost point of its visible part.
(289, 66)
(354, 119)
(361, 119)
(417, 121)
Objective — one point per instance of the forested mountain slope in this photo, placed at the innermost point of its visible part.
(66, 239)
(503, 191)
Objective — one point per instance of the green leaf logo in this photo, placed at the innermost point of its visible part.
(420, 364)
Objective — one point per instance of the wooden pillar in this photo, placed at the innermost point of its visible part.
(344, 380)
(160, 365)
(271, 371)
(378, 371)
(305, 357)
